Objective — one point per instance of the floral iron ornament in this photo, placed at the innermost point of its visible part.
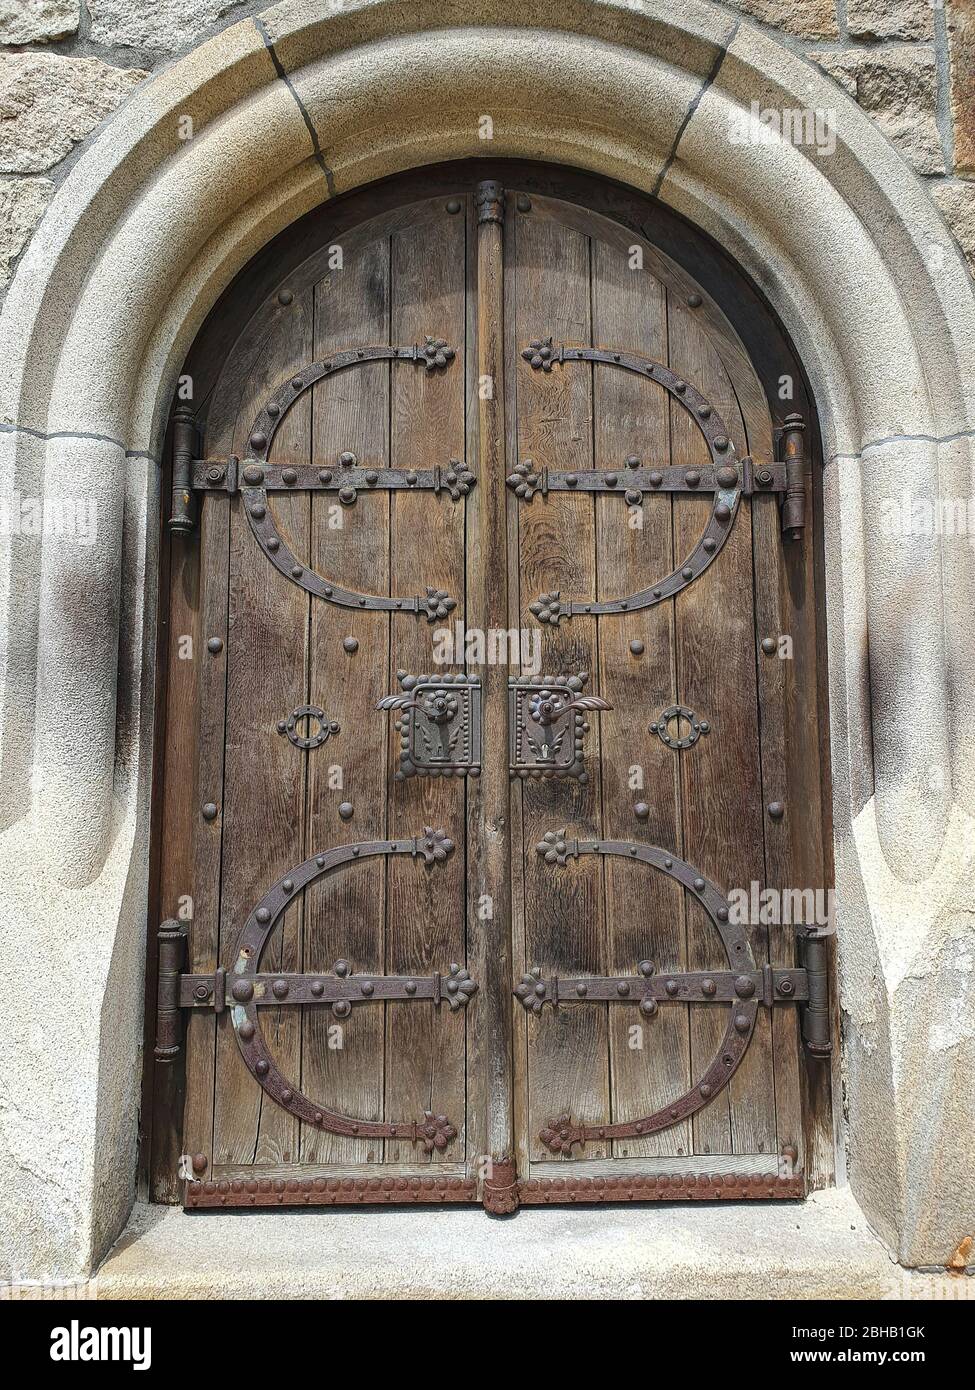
(439, 723)
(547, 725)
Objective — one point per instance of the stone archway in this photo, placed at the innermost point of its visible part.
(296, 106)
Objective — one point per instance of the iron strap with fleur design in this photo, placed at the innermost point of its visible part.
(726, 476)
(255, 479)
(744, 986)
(244, 992)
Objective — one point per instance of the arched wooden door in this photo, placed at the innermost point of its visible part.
(501, 701)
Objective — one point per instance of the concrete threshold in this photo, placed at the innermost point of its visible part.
(819, 1249)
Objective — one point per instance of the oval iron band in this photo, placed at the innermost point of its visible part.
(548, 608)
(563, 1133)
(436, 605)
(434, 1132)
(272, 413)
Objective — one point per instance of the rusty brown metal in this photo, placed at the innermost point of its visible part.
(171, 945)
(794, 503)
(662, 1187)
(500, 1190)
(328, 1192)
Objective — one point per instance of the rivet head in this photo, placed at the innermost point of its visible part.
(764, 476)
(637, 647)
(215, 474)
(672, 988)
(641, 810)
(769, 646)
(687, 573)
(776, 810)
(709, 988)
(692, 477)
(648, 1006)
(524, 203)
(622, 988)
(242, 990)
(209, 810)
(722, 512)
(785, 987)
(742, 1023)
(744, 987)
(289, 476)
(633, 461)
(246, 1030)
(285, 297)
(346, 810)
(261, 1067)
(727, 477)
(317, 988)
(350, 644)
(258, 440)
(646, 967)
(214, 646)
(721, 442)
(253, 475)
(705, 1089)
(656, 478)
(453, 206)
(263, 915)
(280, 989)
(694, 301)
(201, 992)
(341, 1008)
(199, 1163)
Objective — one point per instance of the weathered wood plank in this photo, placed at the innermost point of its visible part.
(634, 545)
(426, 1049)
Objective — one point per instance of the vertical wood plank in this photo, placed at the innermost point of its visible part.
(564, 909)
(345, 912)
(264, 789)
(644, 911)
(489, 842)
(426, 1048)
(721, 773)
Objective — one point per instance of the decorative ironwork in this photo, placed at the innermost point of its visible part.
(439, 723)
(315, 715)
(328, 1192)
(240, 990)
(547, 725)
(348, 477)
(564, 1132)
(489, 201)
(434, 354)
(500, 1193)
(632, 482)
(649, 990)
(677, 713)
(434, 605)
(662, 1187)
(726, 476)
(340, 990)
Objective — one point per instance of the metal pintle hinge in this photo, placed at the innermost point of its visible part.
(794, 456)
(182, 516)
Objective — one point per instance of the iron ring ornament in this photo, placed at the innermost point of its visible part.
(675, 715)
(347, 478)
(315, 715)
(246, 989)
(564, 1133)
(724, 477)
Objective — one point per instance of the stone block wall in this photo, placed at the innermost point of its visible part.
(65, 65)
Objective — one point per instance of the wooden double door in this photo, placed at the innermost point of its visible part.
(498, 580)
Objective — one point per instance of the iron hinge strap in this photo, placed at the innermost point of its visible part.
(347, 477)
(649, 989)
(339, 990)
(635, 480)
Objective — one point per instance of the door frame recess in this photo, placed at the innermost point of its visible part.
(772, 355)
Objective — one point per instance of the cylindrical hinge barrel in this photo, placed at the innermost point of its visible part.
(169, 1027)
(815, 1015)
(183, 514)
(794, 453)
